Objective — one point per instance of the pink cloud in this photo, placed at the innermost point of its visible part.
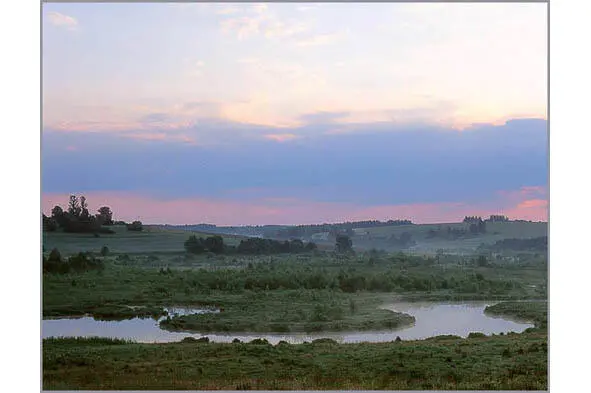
(161, 137)
(147, 137)
(533, 204)
(281, 137)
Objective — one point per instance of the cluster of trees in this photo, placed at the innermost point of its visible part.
(198, 245)
(472, 219)
(491, 218)
(77, 218)
(82, 262)
(344, 244)
(498, 218)
(135, 226)
(215, 244)
(303, 231)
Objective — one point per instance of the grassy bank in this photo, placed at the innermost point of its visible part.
(536, 312)
(498, 362)
(293, 311)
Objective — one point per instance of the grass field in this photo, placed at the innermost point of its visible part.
(510, 362)
(284, 293)
(494, 231)
(152, 240)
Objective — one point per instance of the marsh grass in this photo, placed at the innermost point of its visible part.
(487, 363)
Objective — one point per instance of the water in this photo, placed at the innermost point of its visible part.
(432, 319)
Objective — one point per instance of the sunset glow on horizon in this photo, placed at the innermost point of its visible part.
(288, 113)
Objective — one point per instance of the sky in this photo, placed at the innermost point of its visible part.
(287, 113)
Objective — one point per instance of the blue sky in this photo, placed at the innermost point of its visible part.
(296, 112)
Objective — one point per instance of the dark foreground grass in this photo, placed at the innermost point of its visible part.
(514, 361)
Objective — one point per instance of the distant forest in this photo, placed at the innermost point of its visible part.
(292, 232)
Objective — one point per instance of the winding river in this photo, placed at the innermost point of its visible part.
(432, 319)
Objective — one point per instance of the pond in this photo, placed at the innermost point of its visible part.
(432, 319)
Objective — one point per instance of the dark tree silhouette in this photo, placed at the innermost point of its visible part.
(74, 206)
(105, 215)
(215, 244)
(343, 244)
(135, 226)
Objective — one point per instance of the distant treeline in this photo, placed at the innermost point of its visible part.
(215, 244)
(476, 228)
(248, 230)
(492, 218)
(303, 231)
(534, 244)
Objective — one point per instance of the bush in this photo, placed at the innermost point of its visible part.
(135, 226)
(259, 341)
(55, 256)
(82, 262)
(104, 251)
(77, 263)
(193, 340)
(324, 341)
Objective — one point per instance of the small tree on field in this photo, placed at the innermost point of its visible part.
(194, 245)
(343, 244)
(135, 226)
(215, 244)
(104, 251)
(55, 256)
(105, 215)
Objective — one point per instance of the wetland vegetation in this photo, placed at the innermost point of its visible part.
(130, 274)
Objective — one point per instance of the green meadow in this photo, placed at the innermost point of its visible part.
(317, 291)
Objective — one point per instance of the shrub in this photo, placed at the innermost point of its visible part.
(194, 245)
(55, 256)
(135, 226)
(104, 251)
(324, 341)
(259, 341)
(82, 262)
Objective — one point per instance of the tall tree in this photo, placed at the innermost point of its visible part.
(74, 206)
(84, 213)
(105, 215)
